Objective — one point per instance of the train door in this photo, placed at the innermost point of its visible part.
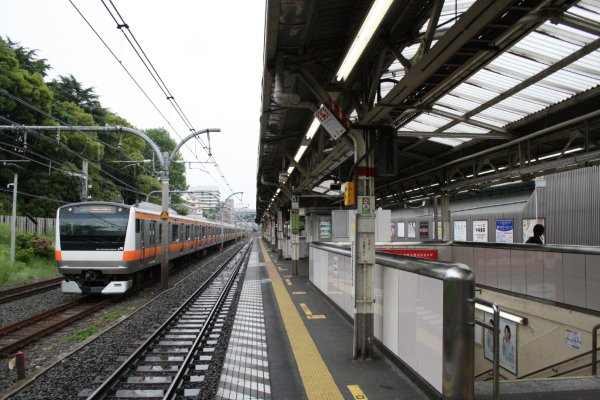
(152, 240)
(143, 238)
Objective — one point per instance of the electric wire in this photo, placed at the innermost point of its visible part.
(34, 195)
(160, 82)
(168, 122)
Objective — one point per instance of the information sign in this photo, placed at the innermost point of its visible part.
(330, 122)
(366, 205)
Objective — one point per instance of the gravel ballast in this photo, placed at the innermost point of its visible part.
(75, 373)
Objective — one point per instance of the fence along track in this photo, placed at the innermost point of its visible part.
(43, 226)
(27, 290)
(18, 335)
(173, 360)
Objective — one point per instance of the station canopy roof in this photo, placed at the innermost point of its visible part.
(458, 94)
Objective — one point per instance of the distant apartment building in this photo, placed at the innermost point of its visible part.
(203, 198)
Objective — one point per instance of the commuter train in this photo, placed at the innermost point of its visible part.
(106, 248)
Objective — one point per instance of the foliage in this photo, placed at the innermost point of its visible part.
(29, 245)
(81, 335)
(19, 272)
(116, 171)
(113, 315)
(24, 84)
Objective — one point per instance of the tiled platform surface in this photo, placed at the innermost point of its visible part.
(245, 372)
(252, 373)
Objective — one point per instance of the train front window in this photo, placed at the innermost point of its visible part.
(93, 227)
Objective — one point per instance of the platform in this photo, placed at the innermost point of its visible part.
(306, 349)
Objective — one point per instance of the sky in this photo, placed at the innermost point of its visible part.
(208, 53)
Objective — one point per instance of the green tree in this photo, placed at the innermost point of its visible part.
(165, 143)
(28, 58)
(23, 84)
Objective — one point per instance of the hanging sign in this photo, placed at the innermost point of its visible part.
(333, 119)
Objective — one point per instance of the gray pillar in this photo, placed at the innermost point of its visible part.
(363, 249)
(164, 266)
(279, 235)
(446, 217)
(13, 220)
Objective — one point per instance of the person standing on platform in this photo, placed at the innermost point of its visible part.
(538, 231)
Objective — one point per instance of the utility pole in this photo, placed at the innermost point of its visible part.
(84, 180)
(164, 159)
(13, 219)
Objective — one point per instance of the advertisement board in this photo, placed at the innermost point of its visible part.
(460, 231)
(504, 231)
(480, 231)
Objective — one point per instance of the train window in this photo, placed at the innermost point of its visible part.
(175, 232)
(160, 234)
(137, 225)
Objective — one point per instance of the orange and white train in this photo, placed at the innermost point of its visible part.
(105, 248)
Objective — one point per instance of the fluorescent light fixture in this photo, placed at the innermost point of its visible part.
(300, 153)
(313, 128)
(290, 170)
(277, 192)
(505, 315)
(368, 28)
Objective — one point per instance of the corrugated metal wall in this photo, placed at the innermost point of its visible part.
(570, 204)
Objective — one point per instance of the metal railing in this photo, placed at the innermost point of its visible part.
(595, 349)
(496, 343)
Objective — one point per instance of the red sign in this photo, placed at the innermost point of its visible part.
(428, 254)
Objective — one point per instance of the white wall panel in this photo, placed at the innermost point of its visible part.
(574, 279)
(390, 309)
(535, 273)
(553, 277)
(378, 306)
(592, 268)
(408, 287)
(430, 329)
(504, 270)
(518, 271)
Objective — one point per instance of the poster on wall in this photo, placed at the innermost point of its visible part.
(423, 230)
(400, 229)
(480, 231)
(504, 231)
(507, 343)
(412, 229)
(460, 231)
(439, 231)
(528, 224)
(393, 230)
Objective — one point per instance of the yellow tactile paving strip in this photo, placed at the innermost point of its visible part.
(316, 378)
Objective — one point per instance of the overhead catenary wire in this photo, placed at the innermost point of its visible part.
(126, 31)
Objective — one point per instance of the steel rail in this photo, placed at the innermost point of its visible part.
(113, 380)
(45, 329)
(29, 289)
(178, 379)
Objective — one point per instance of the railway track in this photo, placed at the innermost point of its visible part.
(16, 336)
(27, 290)
(173, 361)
